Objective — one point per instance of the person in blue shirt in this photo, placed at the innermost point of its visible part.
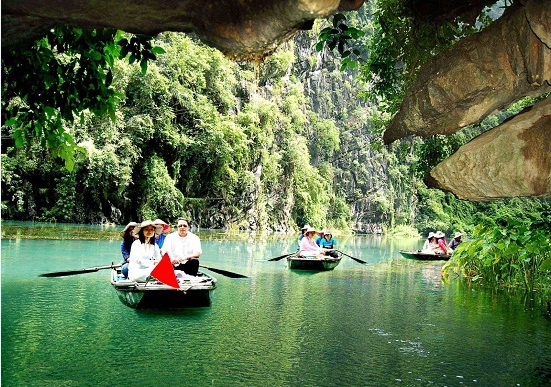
(128, 238)
(159, 235)
(320, 237)
(329, 243)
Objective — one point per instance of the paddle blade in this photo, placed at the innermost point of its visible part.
(67, 273)
(164, 272)
(280, 257)
(75, 272)
(355, 259)
(225, 272)
(359, 260)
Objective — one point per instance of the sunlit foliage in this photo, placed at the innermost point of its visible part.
(62, 75)
(515, 252)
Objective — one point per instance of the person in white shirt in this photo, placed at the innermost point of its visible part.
(426, 245)
(144, 254)
(183, 248)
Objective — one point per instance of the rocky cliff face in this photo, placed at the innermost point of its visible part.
(479, 75)
(360, 174)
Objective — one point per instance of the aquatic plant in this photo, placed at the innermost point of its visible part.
(513, 253)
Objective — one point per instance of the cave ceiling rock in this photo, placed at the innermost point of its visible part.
(248, 30)
(515, 155)
(479, 75)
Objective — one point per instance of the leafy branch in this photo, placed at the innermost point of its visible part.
(58, 78)
(343, 38)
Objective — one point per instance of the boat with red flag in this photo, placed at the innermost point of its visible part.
(191, 291)
(165, 288)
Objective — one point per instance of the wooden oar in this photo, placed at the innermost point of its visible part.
(75, 272)
(281, 257)
(355, 259)
(224, 272)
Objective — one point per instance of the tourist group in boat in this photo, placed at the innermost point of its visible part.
(311, 246)
(435, 247)
(160, 267)
(436, 243)
(144, 245)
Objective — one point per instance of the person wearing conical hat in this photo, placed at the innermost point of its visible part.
(128, 238)
(456, 241)
(303, 231)
(301, 235)
(442, 244)
(144, 254)
(426, 245)
(159, 234)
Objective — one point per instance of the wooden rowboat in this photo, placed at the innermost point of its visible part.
(317, 263)
(423, 256)
(194, 291)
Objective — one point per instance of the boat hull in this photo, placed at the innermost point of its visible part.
(193, 292)
(314, 264)
(420, 256)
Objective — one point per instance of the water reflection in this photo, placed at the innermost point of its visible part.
(392, 322)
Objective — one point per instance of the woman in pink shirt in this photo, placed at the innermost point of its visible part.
(308, 246)
(442, 244)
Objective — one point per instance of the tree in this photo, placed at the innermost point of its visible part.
(51, 84)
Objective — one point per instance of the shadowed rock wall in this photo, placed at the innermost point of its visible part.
(515, 155)
(478, 76)
(244, 29)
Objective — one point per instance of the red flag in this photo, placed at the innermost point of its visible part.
(164, 272)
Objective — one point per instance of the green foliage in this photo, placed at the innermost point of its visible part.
(158, 196)
(339, 214)
(513, 254)
(62, 75)
(546, 265)
(434, 150)
(342, 37)
(403, 231)
(190, 131)
(64, 207)
(276, 66)
(324, 138)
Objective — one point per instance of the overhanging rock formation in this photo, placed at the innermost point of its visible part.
(478, 76)
(481, 74)
(244, 29)
(516, 155)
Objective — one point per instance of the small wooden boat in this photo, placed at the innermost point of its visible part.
(194, 291)
(318, 263)
(424, 256)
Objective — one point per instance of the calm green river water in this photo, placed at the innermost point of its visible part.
(393, 322)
